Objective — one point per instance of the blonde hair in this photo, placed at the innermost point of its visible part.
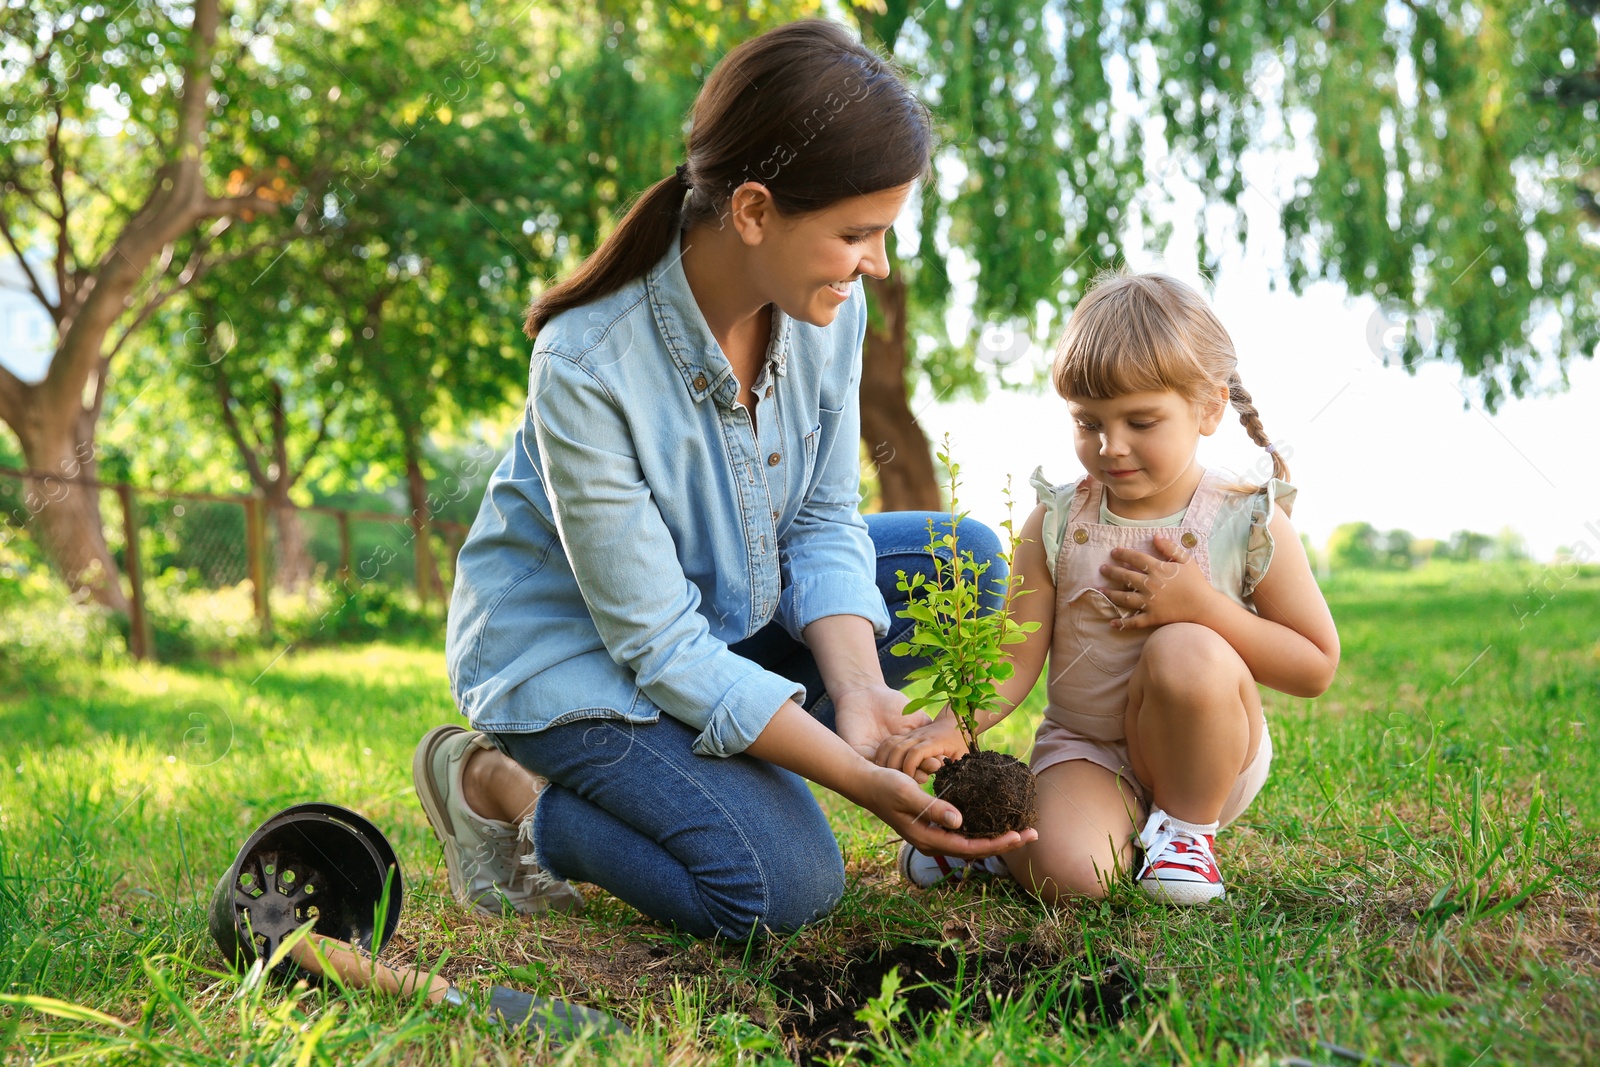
(1138, 332)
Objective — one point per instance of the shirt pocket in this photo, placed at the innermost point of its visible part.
(809, 452)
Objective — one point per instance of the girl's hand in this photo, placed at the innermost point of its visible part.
(872, 716)
(1154, 591)
(928, 823)
(924, 750)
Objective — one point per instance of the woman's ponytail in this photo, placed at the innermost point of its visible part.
(1251, 419)
(642, 238)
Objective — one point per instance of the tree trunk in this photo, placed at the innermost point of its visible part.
(429, 585)
(54, 425)
(274, 480)
(894, 441)
(293, 557)
(64, 517)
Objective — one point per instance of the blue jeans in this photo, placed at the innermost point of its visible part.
(733, 847)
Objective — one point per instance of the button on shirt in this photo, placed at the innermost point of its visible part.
(642, 522)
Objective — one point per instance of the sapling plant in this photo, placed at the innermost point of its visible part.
(965, 645)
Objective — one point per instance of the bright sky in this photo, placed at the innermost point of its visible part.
(1369, 442)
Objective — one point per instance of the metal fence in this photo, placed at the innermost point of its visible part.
(215, 541)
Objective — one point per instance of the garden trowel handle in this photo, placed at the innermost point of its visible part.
(514, 1010)
(363, 972)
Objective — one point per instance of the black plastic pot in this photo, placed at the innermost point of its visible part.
(310, 861)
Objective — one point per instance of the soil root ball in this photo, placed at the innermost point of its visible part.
(994, 793)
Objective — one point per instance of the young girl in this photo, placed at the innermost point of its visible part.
(1164, 594)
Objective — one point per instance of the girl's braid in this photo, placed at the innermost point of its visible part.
(1252, 424)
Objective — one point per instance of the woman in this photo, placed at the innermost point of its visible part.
(675, 529)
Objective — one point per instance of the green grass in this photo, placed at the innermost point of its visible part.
(1418, 880)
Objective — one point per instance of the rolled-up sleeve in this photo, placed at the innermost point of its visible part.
(627, 569)
(826, 556)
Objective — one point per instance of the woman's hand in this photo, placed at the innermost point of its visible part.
(869, 716)
(795, 741)
(1154, 591)
(927, 822)
(924, 750)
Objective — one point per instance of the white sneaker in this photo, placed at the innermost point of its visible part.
(490, 862)
(924, 870)
(1179, 864)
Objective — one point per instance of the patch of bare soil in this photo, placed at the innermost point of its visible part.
(818, 998)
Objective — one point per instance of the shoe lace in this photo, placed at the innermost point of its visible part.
(1160, 835)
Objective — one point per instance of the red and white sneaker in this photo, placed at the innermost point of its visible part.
(925, 870)
(1179, 864)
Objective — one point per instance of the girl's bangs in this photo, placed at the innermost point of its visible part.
(1111, 349)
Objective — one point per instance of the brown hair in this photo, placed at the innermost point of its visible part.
(805, 109)
(1149, 332)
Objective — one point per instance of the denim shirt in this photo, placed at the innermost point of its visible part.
(641, 523)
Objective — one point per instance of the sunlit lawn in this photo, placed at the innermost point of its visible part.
(1418, 881)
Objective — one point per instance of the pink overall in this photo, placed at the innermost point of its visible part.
(1091, 664)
